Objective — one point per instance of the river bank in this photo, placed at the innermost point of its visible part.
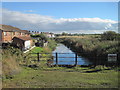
(67, 57)
(61, 77)
(91, 47)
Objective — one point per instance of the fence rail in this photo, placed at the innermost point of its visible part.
(55, 57)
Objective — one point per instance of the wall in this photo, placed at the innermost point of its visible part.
(27, 44)
(7, 37)
(0, 35)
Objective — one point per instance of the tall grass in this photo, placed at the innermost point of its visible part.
(11, 58)
(91, 45)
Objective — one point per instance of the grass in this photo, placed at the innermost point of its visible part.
(63, 77)
(36, 50)
(11, 58)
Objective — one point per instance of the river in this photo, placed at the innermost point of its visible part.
(70, 61)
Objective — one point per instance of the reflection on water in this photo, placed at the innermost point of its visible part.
(63, 49)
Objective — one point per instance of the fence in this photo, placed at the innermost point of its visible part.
(54, 58)
(39, 57)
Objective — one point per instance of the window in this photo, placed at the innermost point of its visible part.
(13, 33)
(5, 33)
(23, 33)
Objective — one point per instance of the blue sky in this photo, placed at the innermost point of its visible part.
(102, 10)
(66, 10)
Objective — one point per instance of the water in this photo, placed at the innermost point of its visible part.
(70, 61)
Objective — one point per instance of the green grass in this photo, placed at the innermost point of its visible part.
(63, 78)
(36, 50)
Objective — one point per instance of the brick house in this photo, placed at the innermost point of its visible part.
(7, 33)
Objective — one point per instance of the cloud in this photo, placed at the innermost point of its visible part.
(29, 11)
(42, 23)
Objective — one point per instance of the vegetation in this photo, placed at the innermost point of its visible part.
(93, 45)
(11, 58)
(61, 77)
(41, 39)
(56, 77)
(109, 35)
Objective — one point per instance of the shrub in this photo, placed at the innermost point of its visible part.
(109, 35)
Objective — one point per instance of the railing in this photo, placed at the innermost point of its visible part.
(54, 58)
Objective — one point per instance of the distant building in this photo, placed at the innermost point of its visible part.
(50, 35)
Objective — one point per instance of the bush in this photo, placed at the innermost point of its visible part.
(109, 35)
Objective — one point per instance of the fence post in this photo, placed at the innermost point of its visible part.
(38, 57)
(56, 58)
(75, 59)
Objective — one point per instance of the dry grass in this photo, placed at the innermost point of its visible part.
(87, 37)
(10, 66)
(10, 63)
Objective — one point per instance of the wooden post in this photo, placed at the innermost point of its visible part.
(56, 58)
(75, 59)
(38, 57)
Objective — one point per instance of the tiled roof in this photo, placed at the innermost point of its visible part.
(24, 38)
(12, 29)
(25, 31)
(9, 28)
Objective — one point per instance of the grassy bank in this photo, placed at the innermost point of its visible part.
(61, 77)
(11, 58)
(91, 46)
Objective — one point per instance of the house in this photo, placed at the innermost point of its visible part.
(49, 35)
(24, 43)
(9, 34)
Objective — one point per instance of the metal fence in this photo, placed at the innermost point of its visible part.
(54, 58)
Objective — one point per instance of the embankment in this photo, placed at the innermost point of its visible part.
(91, 47)
(11, 58)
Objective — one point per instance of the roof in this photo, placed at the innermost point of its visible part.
(24, 38)
(12, 29)
(9, 28)
(25, 31)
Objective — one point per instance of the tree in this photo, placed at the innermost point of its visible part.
(64, 34)
(109, 35)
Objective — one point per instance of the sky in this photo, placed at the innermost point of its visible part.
(58, 17)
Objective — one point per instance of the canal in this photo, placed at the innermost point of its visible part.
(68, 53)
